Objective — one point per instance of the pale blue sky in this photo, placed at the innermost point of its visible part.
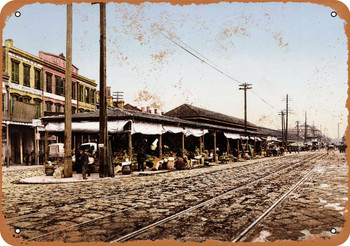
(294, 48)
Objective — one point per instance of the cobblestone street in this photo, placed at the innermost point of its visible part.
(108, 209)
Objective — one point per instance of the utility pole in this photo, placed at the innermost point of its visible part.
(286, 136)
(245, 87)
(298, 130)
(338, 130)
(287, 116)
(103, 141)
(68, 99)
(282, 120)
(305, 132)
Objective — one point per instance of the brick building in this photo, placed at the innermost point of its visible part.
(33, 86)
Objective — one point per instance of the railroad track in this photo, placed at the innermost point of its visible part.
(169, 183)
(181, 209)
(214, 199)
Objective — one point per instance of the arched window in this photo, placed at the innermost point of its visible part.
(48, 106)
(57, 107)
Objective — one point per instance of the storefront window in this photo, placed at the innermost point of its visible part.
(49, 82)
(26, 75)
(15, 72)
(37, 79)
(87, 96)
(58, 108)
(48, 106)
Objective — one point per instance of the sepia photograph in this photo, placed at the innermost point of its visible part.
(185, 122)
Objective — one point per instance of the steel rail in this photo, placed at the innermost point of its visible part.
(135, 190)
(122, 211)
(146, 228)
(296, 185)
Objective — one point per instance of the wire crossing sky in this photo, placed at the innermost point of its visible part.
(280, 48)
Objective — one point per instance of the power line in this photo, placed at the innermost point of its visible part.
(204, 61)
(264, 100)
(198, 53)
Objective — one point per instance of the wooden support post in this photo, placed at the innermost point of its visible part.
(215, 158)
(160, 146)
(203, 142)
(237, 148)
(7, 145)
(36, 159)
(78, 143)
(130, 145)
(183, 144)
(46, 147)
(228, 146)
(200, 145)
(67, 162)
(255, 146)
(21, 147)
(247, 147)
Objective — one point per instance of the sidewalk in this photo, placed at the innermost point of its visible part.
(77, 177)
(19, 167)
(43, 179)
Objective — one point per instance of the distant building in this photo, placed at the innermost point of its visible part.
(83, 89)
(312, 133)
(109, 97)
(111, 102)
(131, 107)
(33, 87)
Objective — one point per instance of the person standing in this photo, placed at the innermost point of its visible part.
(41, 158)
(141, 157)
(84, 160)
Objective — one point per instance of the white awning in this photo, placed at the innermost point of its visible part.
(244, 137)
(173, 129)
(117, 126)
(195, 132)
(88, 127)
(231, 135)
(54, 127)
(270, 138)
(146, 128)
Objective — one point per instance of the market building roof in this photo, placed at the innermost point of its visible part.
(189, 112)
(277, 133)
(115, 114)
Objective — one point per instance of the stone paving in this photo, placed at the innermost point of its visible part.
(21, 199)
(312, 210)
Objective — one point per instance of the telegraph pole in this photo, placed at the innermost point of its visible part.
(287, 116)
(298, 130)
(305, 132)
(67, 165)
(103, 141)
(282, 120)
(286, 136)
(245, 87)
